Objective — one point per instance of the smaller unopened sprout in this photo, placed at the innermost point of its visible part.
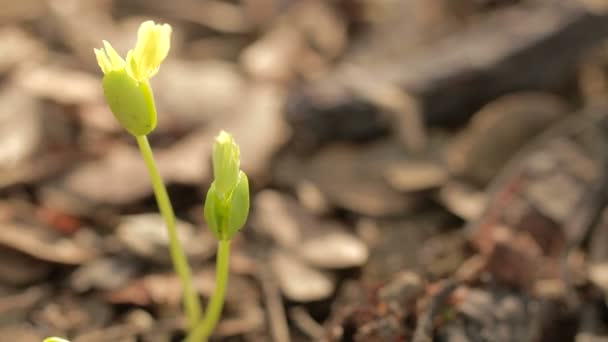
(227, 202)
(55, 339)
(226, 211)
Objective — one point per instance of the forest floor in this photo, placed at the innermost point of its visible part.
(426, 170)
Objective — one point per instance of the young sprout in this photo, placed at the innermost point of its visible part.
(54, 339)
(129, 95)
(226, 210)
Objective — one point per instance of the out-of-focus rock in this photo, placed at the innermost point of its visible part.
(462, 200)
(302, 43)
(311, 197)
(99, 118)
(412, 176)
(499, 130)
(165, 290)
(82, 25)
(319, 243)
(353, 178)
(119, 177)
(323, 25)
(273, 57)
(555, 195)
(298, 281)
(493, 314)
(103, 274)
(275, 216)
(188, 161)
(146, 236)
(225, 17)
(63, 85)
(19, 269)
(45, 244)
(396, 245)
(191, 94)
(63, 312)
(598, 274)
(333, 250)
(515, 258)
(17, 46)
(443, 254)
(257, 127)
(402, 289)
(23, 10)
(21, 332)
(14, 307)
(20, 132)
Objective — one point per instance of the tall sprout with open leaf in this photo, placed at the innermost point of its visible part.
(129, 95)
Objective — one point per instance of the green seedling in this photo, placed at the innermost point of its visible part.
(129, 95)
(226, 210)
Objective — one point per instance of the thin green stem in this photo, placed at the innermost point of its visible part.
(203, 330)
(180, 262)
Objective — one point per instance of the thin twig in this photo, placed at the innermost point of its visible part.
(424, 329)
(274, 306)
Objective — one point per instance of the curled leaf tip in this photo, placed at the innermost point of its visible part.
(143, 61)
(152, 47)
(102, 60)
(108, 59)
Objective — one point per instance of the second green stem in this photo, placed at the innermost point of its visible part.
(203, 330)
(180, 262)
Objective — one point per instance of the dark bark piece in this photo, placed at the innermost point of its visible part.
(565, 157)
(383, 314)
(424, 327)
(492, 314)
(500, 129)
(352, 177)
(522, 47)
(19, 269)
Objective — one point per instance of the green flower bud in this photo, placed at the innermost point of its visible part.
(227, 201)
(125, 84)
(131, 102)
(225, 216)
(226, 163)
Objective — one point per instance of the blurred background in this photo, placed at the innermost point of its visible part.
(421, 170)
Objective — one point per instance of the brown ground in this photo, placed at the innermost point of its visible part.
(423, 170)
